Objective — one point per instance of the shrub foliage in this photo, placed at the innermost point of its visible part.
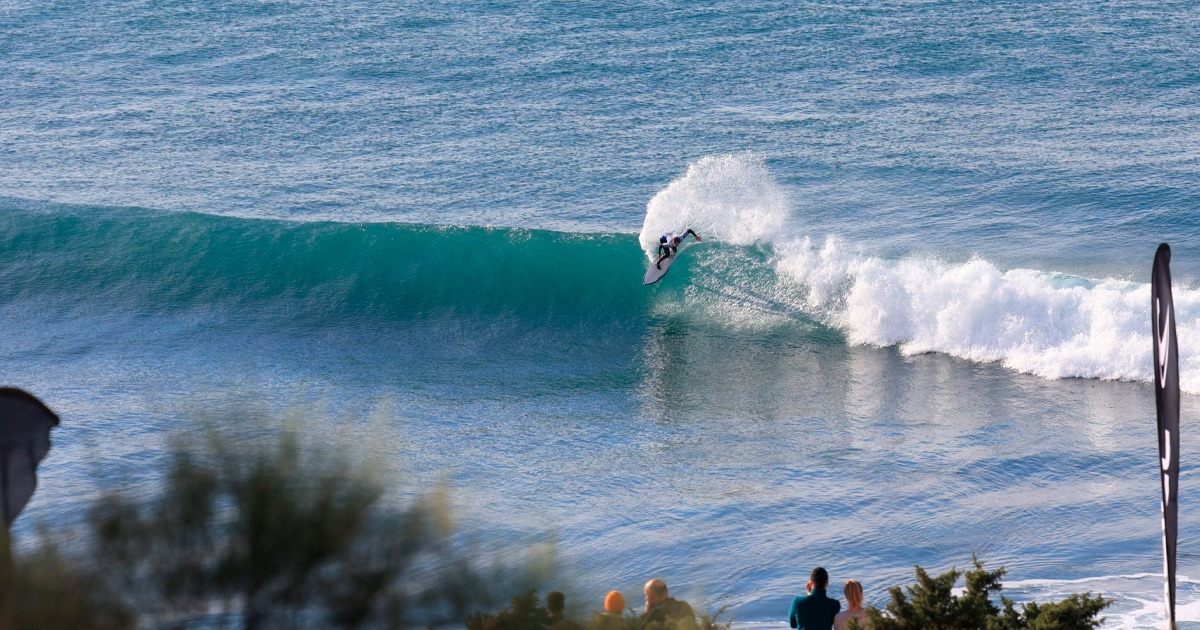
(931, 604)
(273, 535)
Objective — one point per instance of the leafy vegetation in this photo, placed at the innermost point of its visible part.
(931, 604)
(258, 534)
(49, 592)
(525, 612)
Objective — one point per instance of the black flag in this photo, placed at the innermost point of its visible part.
(1166, 394)
(25, 425)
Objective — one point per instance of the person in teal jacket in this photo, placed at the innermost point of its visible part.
(816, 610)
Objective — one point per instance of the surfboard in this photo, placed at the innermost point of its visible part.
(654, 274)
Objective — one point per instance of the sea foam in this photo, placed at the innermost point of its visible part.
(1050, 324)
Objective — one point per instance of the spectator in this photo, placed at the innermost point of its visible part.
(610, 619)
(663, 609)
(555, 619)
(816, 610)
(614, 603)
(854, 608)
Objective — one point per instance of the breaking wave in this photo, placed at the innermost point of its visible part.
(755, 269)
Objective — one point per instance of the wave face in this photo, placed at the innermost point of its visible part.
(162, 262)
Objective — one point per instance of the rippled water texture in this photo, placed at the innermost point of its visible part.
(917, 328)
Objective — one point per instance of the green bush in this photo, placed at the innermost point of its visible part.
(525, 612)
(706, 621)
(50, 592)
(931, 604)
(274, 533)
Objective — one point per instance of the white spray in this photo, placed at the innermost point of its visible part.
(729, 198)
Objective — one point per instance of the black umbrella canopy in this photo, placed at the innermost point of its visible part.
(25, 424)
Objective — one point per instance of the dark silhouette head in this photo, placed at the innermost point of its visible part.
(819, 578)
(555, 602)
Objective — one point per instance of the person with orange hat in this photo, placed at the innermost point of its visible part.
(610, 619)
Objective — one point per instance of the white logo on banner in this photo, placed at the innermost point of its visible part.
(1164, 340)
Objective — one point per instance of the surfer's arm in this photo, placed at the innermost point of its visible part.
(692, 233)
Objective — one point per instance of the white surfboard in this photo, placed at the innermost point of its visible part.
(656, 273)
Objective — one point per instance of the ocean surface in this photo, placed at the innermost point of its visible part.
(917, 328)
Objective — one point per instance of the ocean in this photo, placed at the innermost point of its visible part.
(917, 327)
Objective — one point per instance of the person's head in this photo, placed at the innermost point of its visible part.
(554, 602)
(819, 578)
(656, 591)
(853, 595)
(676, 241)
(614, 603)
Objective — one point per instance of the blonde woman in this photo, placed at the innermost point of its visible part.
(854, 608)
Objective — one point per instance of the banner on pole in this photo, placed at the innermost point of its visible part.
(1166, 395)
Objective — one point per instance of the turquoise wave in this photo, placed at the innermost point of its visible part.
(157, 261)
(92, 261)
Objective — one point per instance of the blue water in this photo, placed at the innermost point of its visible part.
(916, 328)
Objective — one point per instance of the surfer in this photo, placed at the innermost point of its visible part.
(668, 245)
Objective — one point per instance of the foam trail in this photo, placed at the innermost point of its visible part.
(1048, 324)
(731, 198)
(1137, 599)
